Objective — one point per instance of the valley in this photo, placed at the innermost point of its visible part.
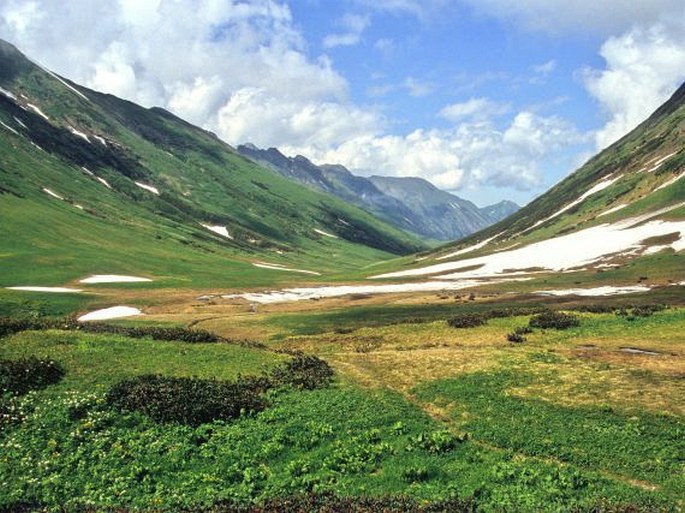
(185, 329)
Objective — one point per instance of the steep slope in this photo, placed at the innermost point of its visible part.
(411, 204)
(89, 183)
(619, 218)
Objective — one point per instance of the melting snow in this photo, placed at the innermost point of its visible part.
(88, 171)
(150, 188)
(113, 312)
(79, 93)
(79, 134)
(278, 267)
(470, 248)
(301, 294)
(112, 278)
(573, 250)
(80, 207)
(45, 289)
(38, 111)
(51, 193)
(221, 230)
(101, 140)
(325, 234)
(596, 291)
(21, 124)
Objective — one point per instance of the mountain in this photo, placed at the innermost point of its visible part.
(93, 183)
(618, 220)
(411, 204)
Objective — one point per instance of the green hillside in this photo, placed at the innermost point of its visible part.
(72, 171)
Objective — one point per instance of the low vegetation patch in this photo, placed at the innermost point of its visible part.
(17, 377)
(303, 371)
(469, 320)
(554, 320)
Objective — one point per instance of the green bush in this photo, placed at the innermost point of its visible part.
(469, 320)
(554, 320)
(19, 376)
(189, 400)
(437, 442)
(303, 371)
(153, 332)
(515, 337)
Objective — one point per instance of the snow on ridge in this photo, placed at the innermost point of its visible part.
(573, 250)
(660, 162)
(325, 234)
(612, 210)
(221, 230)
(114, 312)
(79, 134)
(113, 278)
(606, 290)
(30, 288)
(79, 93)
(149, 188)
(279, 267)
(38, 111)
(7, 93)
(670, 182)
(9, 128)
(52, 193)
(103, 182)
(101, 140)
(470, 248)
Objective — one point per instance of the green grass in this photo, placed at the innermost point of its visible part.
(95, 362)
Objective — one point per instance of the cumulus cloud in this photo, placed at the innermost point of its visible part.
(475, 108)
(353, 25)
(643, 68)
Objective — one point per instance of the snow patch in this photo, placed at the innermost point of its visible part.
(52, 193)
(88, 171)
(114, 312)
(79, 93)
(325, 234)
(20, 123)
(79, 134)
(304, 293)
(594, 292)
(574, 250)
(278, 267)
(80, 207)
(112, 278)
(660, 162)
(45, 289)
(221, 230)
(470, 248)
(38, 111)
(101, 140)
(150, 188)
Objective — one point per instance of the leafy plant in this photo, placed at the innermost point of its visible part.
(19, 376)
(468, 320)
(554, 320)
(303, 371)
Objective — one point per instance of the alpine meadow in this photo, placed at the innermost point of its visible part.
(188, 325)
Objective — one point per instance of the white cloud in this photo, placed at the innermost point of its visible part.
(475, 108)
(417, 87)
(353, 25)
(643, 68)
(562, 16)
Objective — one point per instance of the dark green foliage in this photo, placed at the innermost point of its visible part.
(19, 376)
(154, 332)
(188, 400)
(303, 371)
(515, 337)
(469, 320)
(554, 320)
(647, 310)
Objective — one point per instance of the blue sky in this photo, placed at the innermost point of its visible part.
(490, 99)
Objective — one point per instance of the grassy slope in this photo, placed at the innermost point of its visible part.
(127, 229)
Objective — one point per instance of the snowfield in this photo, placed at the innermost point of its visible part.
(29, 288)
(114, 312)
(594, 292)
(325, 234)
(279, 267)
(221, 230)
(150, 188)
(113, 278)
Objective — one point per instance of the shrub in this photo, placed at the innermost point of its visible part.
(188, 400)
(554, 320)
(515, 337)
(469, 320)
(416, 474)
(437, 442)
(19, 376)
(154, 332)
(303, 371)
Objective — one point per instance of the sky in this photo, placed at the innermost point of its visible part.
(488, 99)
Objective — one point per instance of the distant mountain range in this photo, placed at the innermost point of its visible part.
(412, 204)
